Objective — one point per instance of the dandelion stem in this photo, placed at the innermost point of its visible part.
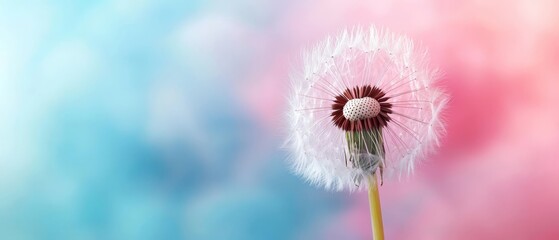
(376, 213)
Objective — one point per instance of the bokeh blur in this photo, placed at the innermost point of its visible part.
(144, 119)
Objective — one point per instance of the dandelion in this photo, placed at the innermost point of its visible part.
(364, 105)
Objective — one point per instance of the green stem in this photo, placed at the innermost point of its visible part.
(369, 142)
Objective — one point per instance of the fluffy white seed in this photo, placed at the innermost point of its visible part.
(353, 59)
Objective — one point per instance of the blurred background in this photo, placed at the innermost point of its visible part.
(144, 119)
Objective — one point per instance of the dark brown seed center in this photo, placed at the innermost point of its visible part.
(350, 112)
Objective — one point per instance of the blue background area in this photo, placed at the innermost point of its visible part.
(83, 158)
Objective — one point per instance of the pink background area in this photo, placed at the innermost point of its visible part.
(496, 174)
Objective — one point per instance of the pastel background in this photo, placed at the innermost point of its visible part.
(144, 119)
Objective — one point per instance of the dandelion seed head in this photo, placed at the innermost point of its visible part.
(362, 101)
